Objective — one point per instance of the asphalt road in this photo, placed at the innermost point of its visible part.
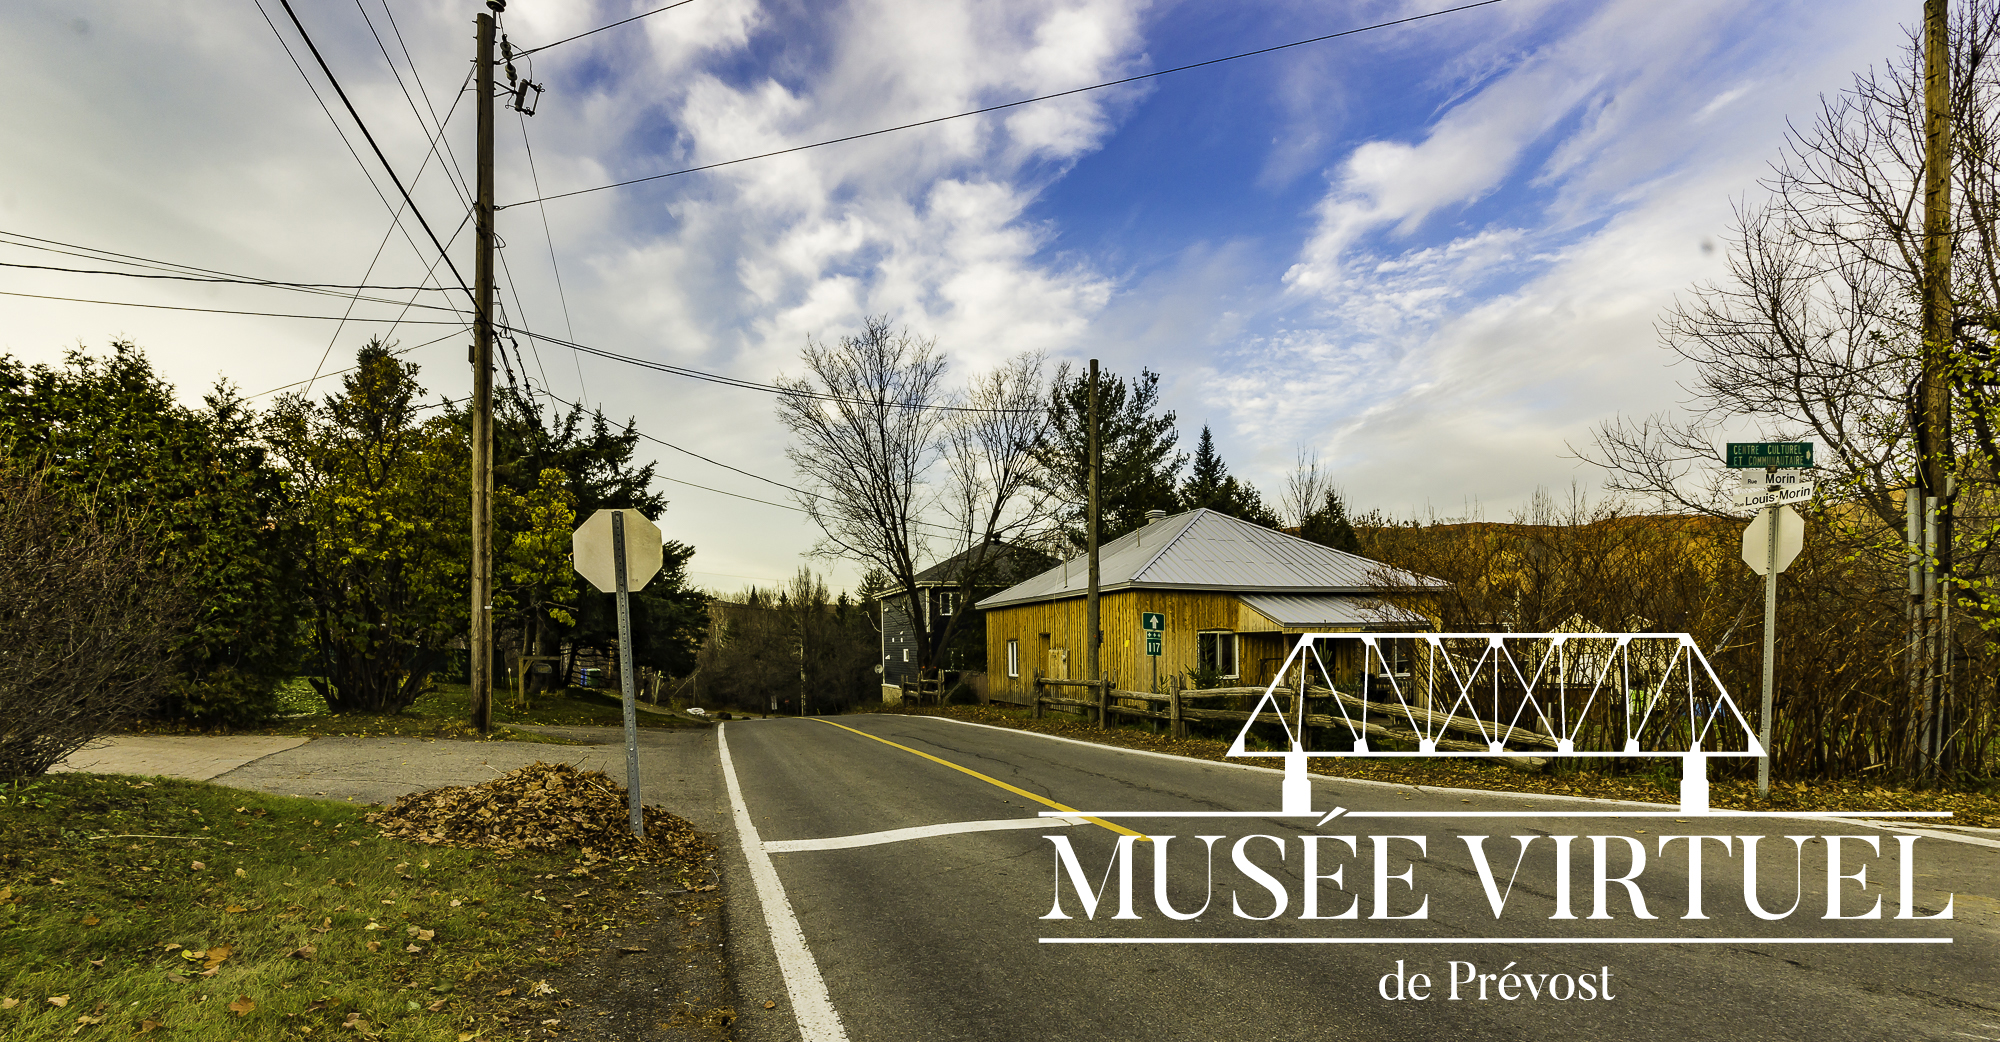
(942, 936)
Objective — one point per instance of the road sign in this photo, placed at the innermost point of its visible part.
(1752, 496)
(1152, 620)
(590, 547)
(1756, 539)
(1153, 642)
(1770, 454)
(1759, 478)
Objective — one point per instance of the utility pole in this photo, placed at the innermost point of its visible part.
(481, 637)
(1934, 410)
(1090, 620)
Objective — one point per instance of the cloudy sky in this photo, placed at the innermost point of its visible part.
(1434, 252)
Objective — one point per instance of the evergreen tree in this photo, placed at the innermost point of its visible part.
(1329, 525)
(1136, 442)
(1209, 484)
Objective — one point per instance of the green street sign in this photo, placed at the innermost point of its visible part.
(1786, 455)
(1152, 620)
(1153, 642)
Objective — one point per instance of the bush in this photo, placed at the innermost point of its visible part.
(87, 624)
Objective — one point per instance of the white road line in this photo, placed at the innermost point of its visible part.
(818, 1022)
(869, 839)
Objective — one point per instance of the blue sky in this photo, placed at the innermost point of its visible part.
(1432, 253)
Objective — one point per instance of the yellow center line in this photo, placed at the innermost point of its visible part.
(1120, 829)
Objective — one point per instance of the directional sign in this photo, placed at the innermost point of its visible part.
(1756, 539)
(1759, 498)
(1152, 620)
(1153, 642)
(591, 548)
(1761, 478)
(1770, 454)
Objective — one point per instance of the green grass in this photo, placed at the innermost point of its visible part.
(445, 712)
(117, 894)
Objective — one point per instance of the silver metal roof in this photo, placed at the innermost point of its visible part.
(1204, 550)
(1314, 610)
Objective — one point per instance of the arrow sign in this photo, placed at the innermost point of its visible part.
(1756, 539)
(1757, 497)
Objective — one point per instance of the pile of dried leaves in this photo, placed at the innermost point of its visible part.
(543, 806)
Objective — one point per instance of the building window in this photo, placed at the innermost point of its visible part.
(1216, 651)
(906, 654)
(1013, 658)
(946, 600)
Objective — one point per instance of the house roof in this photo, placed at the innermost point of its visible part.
(1205, 550)
(1319, 611)
(1003, 563)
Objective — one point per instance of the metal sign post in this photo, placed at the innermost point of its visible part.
(600, 553)
(1771, 542)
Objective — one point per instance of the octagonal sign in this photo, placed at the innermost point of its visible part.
(590, 546)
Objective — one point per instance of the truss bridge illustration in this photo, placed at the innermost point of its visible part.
(1497, 695)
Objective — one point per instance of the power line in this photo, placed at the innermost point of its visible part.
(748, 385)
(384, 160)
(234, 281)
(599, 29)
(227, 311)
(1007, 105)
(548, 236)
(349, 369)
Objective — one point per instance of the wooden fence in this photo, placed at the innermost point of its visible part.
(1177, 706)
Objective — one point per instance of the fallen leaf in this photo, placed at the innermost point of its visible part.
(197, 866)
(240, 873)
(59, 1001)
(455, 902)
(306, 951)
(9, 1003)
(422, 934)
(210, 972)
(149, 1024)
(541, 987)
(374, 926)
(324, 925)
(54, 881)
(413, 948)
(768, 1004)
(91, 920)
(235, 908)
(173, 947)
(503, 993)
(177, 978)
(190, 955)
(374, 946)
(242, 1005)
(97, 964)
(85, 1020)
(217, 956)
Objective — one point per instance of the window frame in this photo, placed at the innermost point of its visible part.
(1201, 656)
(1014, 658)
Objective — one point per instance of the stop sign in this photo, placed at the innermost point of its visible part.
(590, 547)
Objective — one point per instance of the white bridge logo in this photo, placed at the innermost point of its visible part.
(1504, 695)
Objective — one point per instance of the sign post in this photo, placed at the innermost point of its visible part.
(620, 551)
(1771, 542)
(1153, 622)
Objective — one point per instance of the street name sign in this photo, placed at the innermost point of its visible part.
(1786, 454)
(1752, 496)
(1761, 478)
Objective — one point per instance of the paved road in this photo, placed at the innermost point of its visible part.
(940, 936)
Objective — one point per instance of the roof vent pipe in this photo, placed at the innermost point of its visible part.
(1155, 515)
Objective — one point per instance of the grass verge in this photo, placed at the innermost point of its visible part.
(136, 906)
(1659, 786)
(446, 712)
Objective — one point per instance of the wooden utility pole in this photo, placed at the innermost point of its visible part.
(481, 637)
(1090, 620)
(1934, 410)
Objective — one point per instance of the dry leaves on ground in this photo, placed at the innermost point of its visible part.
(545, 807)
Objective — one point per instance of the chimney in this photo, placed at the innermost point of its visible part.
(1155, 515)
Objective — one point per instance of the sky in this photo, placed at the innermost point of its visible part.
(1434, 253)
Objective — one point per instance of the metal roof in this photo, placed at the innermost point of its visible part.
(1205, 550)
(1329, 610)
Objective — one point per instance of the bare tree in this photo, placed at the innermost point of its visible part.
(87, 625)
(872, 421)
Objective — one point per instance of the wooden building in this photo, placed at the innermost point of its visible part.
(1235, 597)
(943, 590)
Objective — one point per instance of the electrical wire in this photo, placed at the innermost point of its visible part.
(349, 369)
(415, 210)
(227, 311)
(549, 236)
(601, 28)
(1006, 105)
(235, 281)
(748, 385)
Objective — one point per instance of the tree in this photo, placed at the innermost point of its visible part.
(1314, 506)
(1209, 484)
(89, 617)
(1816, 334)
(872, 421)
(110, 433)
(386, 559)
(1136, 446)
